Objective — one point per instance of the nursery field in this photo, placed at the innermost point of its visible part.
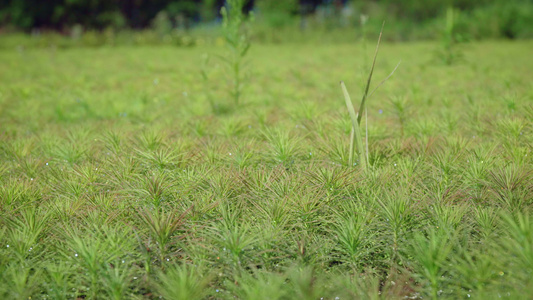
(134, 173)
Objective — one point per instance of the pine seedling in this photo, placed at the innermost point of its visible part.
(447, 217)
(242, 154)
(162, 227)
(356, 135)
(16, 193)
(260, 285)
(183, 282)
(23, 282)
(163, 158)
(431, 251)
(116, 281)
(449, 52)
(25, 232)
(238, 43)
(206, 73)
(94, 250)
(366, 286)
(398, 216)
(517, 243)
(485, 221)
(399, 106)
(283, 148)
(306, 283)
(511, 186)
(232, 128)
(59, 280)
(113, 142)
(353, 238)
(473, 270)
(234, 240)
(87, 252)
(155, 189)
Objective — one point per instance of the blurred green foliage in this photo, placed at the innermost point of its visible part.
(285, 21)
(276, 14)
(94, 14)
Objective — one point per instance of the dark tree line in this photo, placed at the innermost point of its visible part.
(57, 14)
(90, 13)
(99, 14)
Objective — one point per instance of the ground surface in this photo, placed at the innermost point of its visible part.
(119, 179)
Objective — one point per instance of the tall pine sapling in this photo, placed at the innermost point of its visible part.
(238, 43)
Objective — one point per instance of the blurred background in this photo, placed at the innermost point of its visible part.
(66, 23)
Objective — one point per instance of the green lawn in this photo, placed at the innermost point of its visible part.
(125, 174)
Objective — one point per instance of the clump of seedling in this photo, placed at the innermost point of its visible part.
(356, 135)
(186, 206)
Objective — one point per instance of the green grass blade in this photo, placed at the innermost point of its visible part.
(352, 140)
(355, 127)
(366, 136)
(369, 80)
(384, 80)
